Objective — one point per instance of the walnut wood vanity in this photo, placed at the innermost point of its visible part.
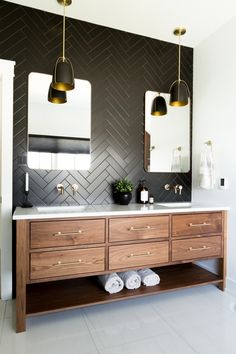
(58, 257)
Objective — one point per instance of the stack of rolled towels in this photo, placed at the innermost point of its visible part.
(113, 283)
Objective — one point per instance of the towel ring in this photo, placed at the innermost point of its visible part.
(208, 143)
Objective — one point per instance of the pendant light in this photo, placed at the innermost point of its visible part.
(159, 106)
(63, 74)
(179, 91)
(56, 96)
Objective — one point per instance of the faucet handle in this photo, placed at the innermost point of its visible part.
(180, 189)
(74, 188)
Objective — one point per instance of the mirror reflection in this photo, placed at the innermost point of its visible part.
(59, 135)
(167, 137)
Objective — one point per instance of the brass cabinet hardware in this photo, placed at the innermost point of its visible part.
(80, 261)
(59, 233)
(199, 248)
(146, 228)
(139, 255)
(202, 224)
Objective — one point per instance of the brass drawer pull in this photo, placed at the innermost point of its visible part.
(202, 224)
(80, 261)
(59, 233)
(147, 228)
(139, 255)
(199, 249)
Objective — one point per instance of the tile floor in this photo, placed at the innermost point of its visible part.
(199, 320)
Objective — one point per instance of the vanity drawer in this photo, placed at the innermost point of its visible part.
(200, 247)
(66, 233)
(131, 229)
(138, 255)
(196, 224)
(62, 263)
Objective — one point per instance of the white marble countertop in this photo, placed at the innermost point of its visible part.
(52, 212)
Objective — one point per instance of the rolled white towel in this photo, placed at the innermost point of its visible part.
(131, 279)
(148, 277)
(111, 282)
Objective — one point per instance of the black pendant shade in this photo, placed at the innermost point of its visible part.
(159, 106)
(56, 96)
(63, 75)
(179, 93)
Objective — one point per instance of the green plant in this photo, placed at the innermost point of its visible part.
(123, 186)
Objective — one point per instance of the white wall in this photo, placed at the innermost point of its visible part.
(214, 117)
(6, 116)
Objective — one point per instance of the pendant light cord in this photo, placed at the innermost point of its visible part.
(64, 31)
(179, 59)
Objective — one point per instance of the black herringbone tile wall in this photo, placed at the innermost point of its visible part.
(121, 67)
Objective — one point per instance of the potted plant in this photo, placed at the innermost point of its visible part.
(123, 191)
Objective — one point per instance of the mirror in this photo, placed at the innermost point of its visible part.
(167, 137)
(58, 134)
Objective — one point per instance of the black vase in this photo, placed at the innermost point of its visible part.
(124, 198)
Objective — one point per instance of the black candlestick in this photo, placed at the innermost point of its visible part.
(26, 203)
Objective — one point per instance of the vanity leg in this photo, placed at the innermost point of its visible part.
(222, 273)
(20, 314)
(223, 260)
(21, 246)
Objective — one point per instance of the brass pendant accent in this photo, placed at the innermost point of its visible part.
(179, 31)
(65, 2)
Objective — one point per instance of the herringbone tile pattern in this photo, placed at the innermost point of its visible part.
(121, 67)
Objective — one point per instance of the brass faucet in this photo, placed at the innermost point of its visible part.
(60, 188)
(177, 188)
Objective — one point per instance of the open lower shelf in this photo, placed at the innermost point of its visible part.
(80, 292)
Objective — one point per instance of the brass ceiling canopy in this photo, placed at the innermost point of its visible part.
(65, 2)
(178, 31)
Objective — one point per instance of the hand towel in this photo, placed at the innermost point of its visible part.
(112, 283)
(131, 279)
(207, 169)
(148, 277)
(176, 160)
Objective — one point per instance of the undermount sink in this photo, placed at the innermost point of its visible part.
(61, 208)
(176, 205)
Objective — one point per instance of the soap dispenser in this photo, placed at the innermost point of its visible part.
(142, 193)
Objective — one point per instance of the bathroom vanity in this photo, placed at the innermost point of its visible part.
(61, 250)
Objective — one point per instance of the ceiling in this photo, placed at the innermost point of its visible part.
(151, 18)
